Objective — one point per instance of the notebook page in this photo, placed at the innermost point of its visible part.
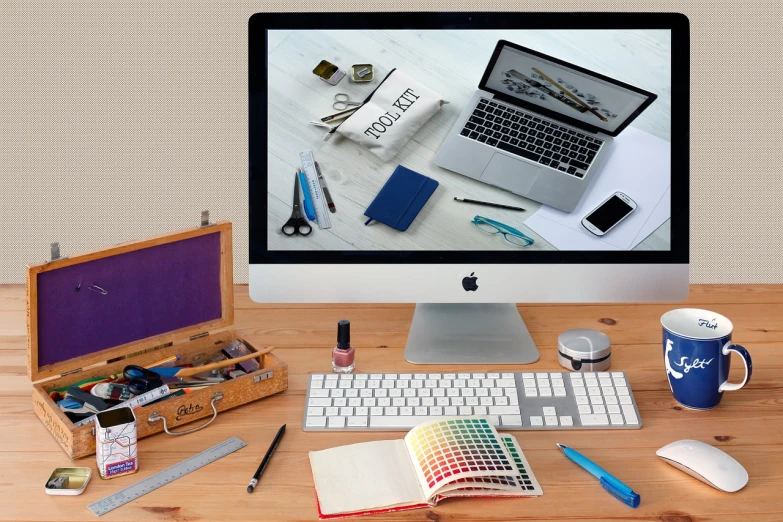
(450, 449)
(364, 476)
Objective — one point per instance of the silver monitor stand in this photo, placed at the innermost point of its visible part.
(446, 333)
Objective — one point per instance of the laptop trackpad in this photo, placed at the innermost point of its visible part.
(510, 173)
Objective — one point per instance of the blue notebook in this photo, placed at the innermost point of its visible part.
(401, 198)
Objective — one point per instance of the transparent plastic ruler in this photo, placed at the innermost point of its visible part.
(166, 476)
(319, 201)
(135, 402)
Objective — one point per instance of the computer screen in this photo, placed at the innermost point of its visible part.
(526, 124)
(566, 90)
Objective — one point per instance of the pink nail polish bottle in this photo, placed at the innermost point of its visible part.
(343, 354)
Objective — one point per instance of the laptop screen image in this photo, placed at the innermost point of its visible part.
(581, 95)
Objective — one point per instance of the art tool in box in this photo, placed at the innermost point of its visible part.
(319, 201)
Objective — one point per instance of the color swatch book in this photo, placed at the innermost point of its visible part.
(452, 457)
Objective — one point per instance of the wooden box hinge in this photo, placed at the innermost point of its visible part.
(199, 336)
(69, 372)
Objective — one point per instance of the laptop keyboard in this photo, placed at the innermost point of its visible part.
(531, 137)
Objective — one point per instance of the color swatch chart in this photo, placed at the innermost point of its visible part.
(523, 482)
(454, 448)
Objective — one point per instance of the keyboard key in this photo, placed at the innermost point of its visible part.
(321, 402)
(622, 390)
(598, 419)
(511, 420)
(474, 135)
(315, 411)
(579, 164)
(357, 422)
(559, 391)
(616, 418)
(479, 113)
(584, 409)
(607, 390)
(315, 422)
(550, 420)
(566, 420)
(482, 138)
(596, 399)
(465, 132)
(536, 421)
(583, 400)
(420, 410)
(611, 399)
(578, 390)
(492, 141)
(376, 410)
(624, 399)
(503, 410)
(450, 410)
(630, 414)
(465, 410)
(592, 146)
(406, 410)
(518, 151)
(399, 422)
(531, 392)
(316, 384)
(613, 408)
(549, 410)
(336, 422)
(332, 376)
(599, 408)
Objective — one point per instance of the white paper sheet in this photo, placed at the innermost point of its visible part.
(640, 166)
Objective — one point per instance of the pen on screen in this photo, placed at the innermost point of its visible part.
(488, 204)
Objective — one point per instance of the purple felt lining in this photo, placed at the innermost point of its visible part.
(149, 292)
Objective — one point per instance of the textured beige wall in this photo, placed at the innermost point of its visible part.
(120, 121)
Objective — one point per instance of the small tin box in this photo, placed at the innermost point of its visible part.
(67, 481)
(328, 72)
(584, 350)
(362, 72)
(116, 451)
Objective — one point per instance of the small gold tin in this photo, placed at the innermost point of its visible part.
(364, 77)
(75, 479)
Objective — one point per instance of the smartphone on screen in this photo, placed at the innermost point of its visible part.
(609, 214)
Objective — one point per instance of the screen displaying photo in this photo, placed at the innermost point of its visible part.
(562, 89)
(331, 190)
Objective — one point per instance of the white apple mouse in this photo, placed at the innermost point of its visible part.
(706, 463)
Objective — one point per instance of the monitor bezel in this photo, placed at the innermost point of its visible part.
(259, 23)
(561, 116)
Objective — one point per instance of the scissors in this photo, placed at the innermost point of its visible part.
(296, 224)
(342, 101)
(141, 380)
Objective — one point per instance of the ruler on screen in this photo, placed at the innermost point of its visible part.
(135, 402)
(319, 201)
(166, 476)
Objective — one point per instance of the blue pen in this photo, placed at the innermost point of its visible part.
(615, 488)
(308, 201)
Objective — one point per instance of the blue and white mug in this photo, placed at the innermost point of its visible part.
(697, 354)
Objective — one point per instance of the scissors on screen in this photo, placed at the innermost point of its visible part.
(296, 224)
(342, 102)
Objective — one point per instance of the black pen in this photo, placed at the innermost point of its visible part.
(266, 460)
(485, 203)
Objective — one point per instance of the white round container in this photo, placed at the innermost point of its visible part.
(584, 350)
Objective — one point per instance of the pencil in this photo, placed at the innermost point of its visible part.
(266, 460)
(488, 204)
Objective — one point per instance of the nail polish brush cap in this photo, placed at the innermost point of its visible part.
(343, 334)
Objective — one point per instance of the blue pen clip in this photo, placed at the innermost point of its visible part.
(308, 200)
(621, 492)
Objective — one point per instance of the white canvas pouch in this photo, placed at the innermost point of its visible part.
(391, 115)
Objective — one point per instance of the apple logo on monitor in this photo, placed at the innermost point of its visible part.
(469, 283)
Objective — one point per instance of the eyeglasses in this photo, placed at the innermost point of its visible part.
(510, 234)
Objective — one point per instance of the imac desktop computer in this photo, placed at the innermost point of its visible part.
(466, 162)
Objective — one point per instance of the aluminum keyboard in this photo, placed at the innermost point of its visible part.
(512, 401)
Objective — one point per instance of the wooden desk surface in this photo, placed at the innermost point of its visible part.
(451, 63)
(747, 424)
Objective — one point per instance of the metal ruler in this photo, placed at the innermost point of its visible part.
(171, 474)
(319, 201)
(135, 402)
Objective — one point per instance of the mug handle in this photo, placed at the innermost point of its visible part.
(728, 386)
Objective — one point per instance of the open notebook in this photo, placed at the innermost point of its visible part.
(452, 457)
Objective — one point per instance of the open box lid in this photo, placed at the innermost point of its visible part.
(94, 307)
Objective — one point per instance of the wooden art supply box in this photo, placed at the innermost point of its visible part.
(138, 303)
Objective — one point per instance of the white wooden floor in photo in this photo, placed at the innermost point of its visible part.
(451, 63)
